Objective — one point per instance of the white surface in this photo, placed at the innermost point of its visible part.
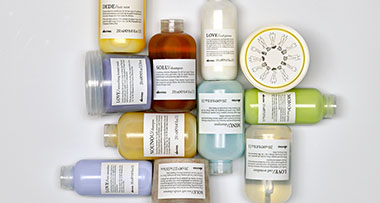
(44, 124)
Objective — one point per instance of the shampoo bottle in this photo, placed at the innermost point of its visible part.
(219, 40)
(267, 171)
(108, 178)
(148, 136)
(296, 106)
(221, 124)
(122, 26)
(173, 54)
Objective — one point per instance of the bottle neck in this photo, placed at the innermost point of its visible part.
(329, 106)
(110, 135)
(219, 167)
(172, 26)
(67, 177)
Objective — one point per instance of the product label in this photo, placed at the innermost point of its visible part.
(121, 19)
(174, 79)
(220, 113)
(181, 181)
(267, 159)
(277, 108)
(164, 135)
(119, 178)
(129, 81)
(219, 47)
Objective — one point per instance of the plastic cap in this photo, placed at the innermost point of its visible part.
(330, 105)
(220, 167)
(172, 25)
(94, 84)
(110, 135)
(66, 177)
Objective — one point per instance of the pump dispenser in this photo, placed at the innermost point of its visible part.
(148, 136)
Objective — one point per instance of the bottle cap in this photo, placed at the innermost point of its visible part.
(66, 177)
(330, 105)
(220, 167)
(172, 25)
(110, 135)
(275, 58)
(94, 84)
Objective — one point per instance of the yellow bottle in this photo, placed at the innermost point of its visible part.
(148, 136)
(267, 172)
(122, 26)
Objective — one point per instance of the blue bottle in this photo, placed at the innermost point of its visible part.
(220, 124)
(108, 178)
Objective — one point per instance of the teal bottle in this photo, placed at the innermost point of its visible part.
(220, 124)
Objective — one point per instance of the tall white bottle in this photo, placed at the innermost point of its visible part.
(219, 40)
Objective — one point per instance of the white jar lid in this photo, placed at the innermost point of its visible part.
(275, 58)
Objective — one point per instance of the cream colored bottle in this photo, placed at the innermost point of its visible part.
(267, 171)
(148, 136)
(219, 40)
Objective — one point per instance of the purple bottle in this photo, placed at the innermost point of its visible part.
(108, 178)
(117, 83)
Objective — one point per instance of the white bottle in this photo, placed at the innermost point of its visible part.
(219, 40)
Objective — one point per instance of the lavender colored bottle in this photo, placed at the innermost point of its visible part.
(108, 178)
(117, 83)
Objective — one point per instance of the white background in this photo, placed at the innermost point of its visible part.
(44, 124)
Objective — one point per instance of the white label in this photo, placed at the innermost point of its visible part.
(164, 135)
(275, 57)
(219, 47)
(267, 159)
(174, 79)
(129, 81)
(119, 178)
(181, 181)
(122, 19)
(277, 108)
(220, 113)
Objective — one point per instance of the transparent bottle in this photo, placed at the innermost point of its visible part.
(219, 40)
(117, 83)
(122, 26)
(181, 181)
(173, 54)
(296, 106)
(92, 177)
(221, 124)
(148, 136)
(267, 171)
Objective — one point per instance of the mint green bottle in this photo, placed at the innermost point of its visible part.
(297, 106)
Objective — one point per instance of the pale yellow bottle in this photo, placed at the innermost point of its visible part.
(267, 171)
(148, 136)
(122, 26)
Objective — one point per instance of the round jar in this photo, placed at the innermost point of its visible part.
(275, 58)
(117, 83)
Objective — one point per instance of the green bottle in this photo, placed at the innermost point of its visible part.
(297, 106)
